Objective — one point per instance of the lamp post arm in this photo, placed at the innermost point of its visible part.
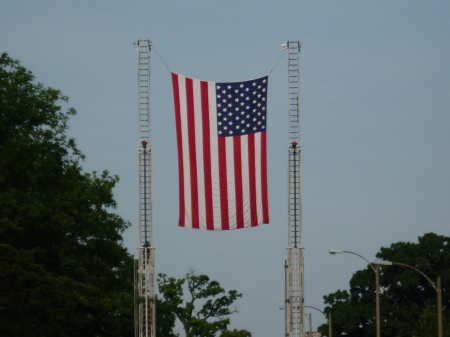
(329, 319)
(417, 270)
(307, 306)
(362, 257)
(438, 289)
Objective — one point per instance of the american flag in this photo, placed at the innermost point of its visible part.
(222, 156)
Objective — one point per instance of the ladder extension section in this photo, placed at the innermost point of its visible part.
(295, 260)
(145, 264)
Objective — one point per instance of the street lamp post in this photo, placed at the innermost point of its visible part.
(310, 324)
(377, 299)
(329, 319)
(377, 288)
(436, 287)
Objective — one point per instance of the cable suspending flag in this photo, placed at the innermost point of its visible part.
(222, 152)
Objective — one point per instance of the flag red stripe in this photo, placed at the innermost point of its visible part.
(176, 99)
(265, 197)
(238, 181)
(252, 179)
(223, 183)
(207, 156)
(192, 151)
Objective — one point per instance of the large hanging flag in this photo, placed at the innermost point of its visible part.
(222, 155)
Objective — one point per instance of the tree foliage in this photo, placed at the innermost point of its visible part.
(212, 317)
(63, 268)
(408, 304)
(165, 319)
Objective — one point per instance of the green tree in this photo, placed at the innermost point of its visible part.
(165, 319)
(63, 268)
(212, 318)
(407, 299)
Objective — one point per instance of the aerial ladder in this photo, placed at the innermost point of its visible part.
(144, 265)
(294, 263)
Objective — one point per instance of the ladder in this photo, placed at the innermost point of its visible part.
(295, 261)
(145, 310)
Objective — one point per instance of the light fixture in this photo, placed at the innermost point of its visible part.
(382, 263)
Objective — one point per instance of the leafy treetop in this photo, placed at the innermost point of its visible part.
(63, 268)
(212, 317)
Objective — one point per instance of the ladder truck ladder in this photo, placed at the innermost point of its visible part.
(145, 310)
(294, 264)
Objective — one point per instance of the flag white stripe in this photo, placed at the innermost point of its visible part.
(185, 145)
(245, 181)
(229, 150)
(199, 154)
(258, 179)
(214, 142)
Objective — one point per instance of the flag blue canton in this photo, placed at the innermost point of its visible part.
(241, 107)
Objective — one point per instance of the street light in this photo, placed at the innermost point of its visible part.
(329, 319)
(436, 287)
(377, 290)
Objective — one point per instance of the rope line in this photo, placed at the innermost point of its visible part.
(161, 58)
(277, 62)
(171, 70)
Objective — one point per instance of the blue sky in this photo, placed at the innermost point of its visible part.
(375, 80)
